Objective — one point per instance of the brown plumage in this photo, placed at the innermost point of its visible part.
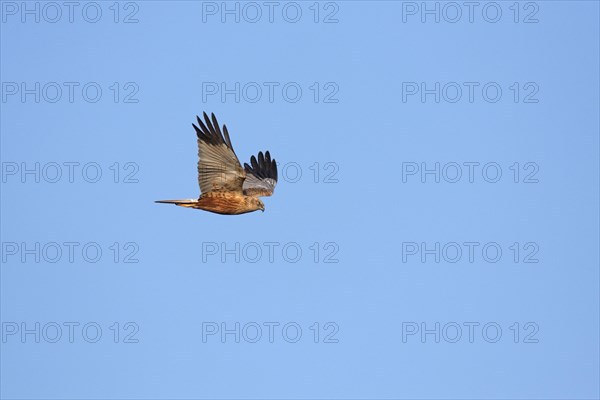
(226, 187)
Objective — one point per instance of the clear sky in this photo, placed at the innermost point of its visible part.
(434, 231)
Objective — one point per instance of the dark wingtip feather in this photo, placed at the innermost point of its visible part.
(200, 124)
(209, 125)
(263, 167)
(205, 131)
(227, 138)
(210, 132)
(274, 169)
(215, 123)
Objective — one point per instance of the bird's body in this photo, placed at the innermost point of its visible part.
(226, 187)
(225, 203)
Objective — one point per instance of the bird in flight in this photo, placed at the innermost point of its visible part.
(226, 187)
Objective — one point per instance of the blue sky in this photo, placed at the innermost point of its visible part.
(433, 234)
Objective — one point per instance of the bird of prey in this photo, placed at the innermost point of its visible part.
(226, 187)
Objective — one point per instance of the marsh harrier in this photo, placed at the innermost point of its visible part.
(226, 187)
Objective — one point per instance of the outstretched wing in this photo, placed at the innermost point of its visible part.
(261, 176)
(219, 169)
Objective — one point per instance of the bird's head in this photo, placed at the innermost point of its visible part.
(257, 204)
